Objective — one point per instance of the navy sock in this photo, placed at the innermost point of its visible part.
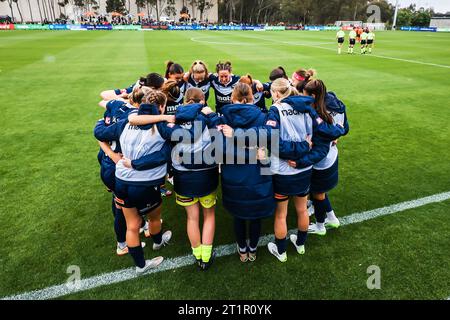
(120, 226)
(137, 253)
(239, 231)
(319, 210)
(281, 245)
(301, 237)
(113, 207)
(328, 207)
(143, 223)
(255, 232)
(157, 238)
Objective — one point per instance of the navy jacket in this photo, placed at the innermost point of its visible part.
(321, 141)
(246, 193)
(150, 160)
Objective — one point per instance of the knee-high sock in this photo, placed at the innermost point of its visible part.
(319, 210)
(254, 234)
(240, 232)
(120, 225)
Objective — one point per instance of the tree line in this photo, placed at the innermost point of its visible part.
(306, 12)
(319, 12)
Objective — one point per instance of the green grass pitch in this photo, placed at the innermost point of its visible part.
(55, 211)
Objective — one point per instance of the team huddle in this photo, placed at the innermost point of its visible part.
(160, 128)
(365, 37)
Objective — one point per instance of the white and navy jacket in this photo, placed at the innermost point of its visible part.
(146, 146)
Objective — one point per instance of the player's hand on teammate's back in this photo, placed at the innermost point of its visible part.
(308, 139)
(207, 110)
(126, 162)
(292, 163)
(227, 131)
(116, 157)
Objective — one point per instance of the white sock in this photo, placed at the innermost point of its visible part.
(339, 50)
(331, 215)
(122, 245)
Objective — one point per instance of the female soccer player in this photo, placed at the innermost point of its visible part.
(351, 40)
(152, 80)
(258, 96)
(198, 77)
(301, 77)
(325, 166)
(340, 36)
(139, 175)
(195, 184)
(246, 193)
(364, 37)
(223, 83)
(370, 40)
(174, 96)
(117, 110)
(294, 126)
(175, 72)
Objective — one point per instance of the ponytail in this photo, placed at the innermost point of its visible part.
(223, 66)
(242, 93)
(319, 90)
(284, 88)
(173, 68)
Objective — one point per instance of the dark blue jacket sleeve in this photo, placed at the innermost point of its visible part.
(320, 149)
(212, 120)
(153, 160)
(290, 150)
(102, 132)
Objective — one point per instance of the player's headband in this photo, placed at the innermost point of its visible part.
(298, 77)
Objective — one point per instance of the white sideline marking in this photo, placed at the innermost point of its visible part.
(223, 250)
(369, 55)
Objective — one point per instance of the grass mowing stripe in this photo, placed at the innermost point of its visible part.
(224, 250)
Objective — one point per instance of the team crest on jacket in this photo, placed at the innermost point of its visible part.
(271, 123)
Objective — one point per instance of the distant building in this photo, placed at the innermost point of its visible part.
(74, 13)
(440, 22)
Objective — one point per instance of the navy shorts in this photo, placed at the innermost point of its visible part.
(369, 41)
(352, 41)
(363, 42)
(325, 180)
(291, 185)
(341, 40)
(144, 198)
(205, 182)
(108, 176)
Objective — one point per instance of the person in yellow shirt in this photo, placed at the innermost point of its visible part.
(370, 40)
(364, 41)
(340, 36)
(352, 40)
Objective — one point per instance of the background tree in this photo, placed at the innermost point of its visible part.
(115, 6)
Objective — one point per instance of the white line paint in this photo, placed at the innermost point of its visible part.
(334, 50)
(221, 251)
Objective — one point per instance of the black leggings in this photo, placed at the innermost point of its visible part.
(254, 230)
